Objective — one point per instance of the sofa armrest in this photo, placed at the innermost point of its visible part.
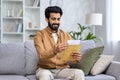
(114, 69)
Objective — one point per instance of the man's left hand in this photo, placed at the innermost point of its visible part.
(77, 56)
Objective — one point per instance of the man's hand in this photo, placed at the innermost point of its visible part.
(77, 56)
(60, 47)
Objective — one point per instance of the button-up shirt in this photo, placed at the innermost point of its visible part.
(44, 43)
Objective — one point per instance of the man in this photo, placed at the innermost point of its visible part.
(49, 43)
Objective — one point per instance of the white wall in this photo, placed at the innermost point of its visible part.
(74, 12)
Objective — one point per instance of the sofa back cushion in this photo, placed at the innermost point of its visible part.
(31, 57)
(12, 58)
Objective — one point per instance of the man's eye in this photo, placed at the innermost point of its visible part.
(53, 18)
(58, 19)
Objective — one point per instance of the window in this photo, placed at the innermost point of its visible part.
(115, 19)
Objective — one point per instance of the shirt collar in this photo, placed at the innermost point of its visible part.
(50, 31)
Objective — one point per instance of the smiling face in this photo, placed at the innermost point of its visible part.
(53, 21)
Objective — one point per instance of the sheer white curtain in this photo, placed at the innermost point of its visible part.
(113, 27)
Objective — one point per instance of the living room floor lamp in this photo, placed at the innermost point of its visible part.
(92, 20)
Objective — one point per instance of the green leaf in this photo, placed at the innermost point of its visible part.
(90, 36)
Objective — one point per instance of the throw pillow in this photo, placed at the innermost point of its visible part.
(88, 59)
(101, 64)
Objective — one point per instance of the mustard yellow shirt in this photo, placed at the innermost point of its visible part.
(44, 44)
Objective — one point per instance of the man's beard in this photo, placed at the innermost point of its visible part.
(53, 26)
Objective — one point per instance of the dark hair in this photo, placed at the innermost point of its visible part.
(52, 9)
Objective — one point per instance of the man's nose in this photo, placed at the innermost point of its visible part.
(57, 21)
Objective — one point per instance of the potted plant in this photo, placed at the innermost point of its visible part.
(78, 34)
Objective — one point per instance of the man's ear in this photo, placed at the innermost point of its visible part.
(46, 19)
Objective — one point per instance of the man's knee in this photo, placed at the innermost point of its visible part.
(43, 73)
(79, 72)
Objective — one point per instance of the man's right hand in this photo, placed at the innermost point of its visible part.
(60, 47)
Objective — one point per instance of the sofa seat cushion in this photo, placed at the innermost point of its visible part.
(100, 77)
(97, 77)
(33, 77)
(12, 77)
(12, 58)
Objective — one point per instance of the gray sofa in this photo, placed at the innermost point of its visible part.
(18, 62)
